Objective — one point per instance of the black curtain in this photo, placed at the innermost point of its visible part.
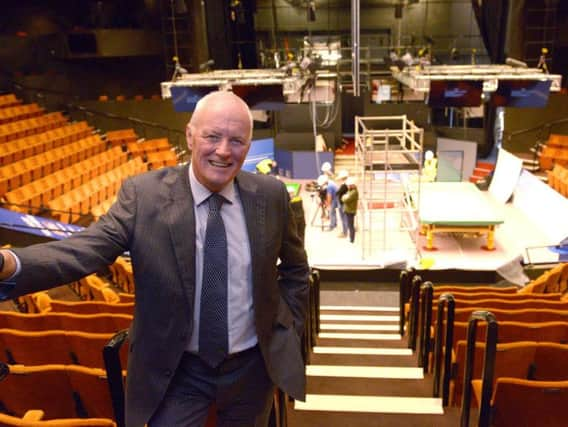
(491, 16)
(219, 34)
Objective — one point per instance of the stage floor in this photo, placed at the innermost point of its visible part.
(453, 250)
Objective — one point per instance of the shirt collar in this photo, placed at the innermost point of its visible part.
(201, 193)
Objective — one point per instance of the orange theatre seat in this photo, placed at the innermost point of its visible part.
(62, 391)
(55, 347)
(95, 323)
(524, 403)
(34, 418)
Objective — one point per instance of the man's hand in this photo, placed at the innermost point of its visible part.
(9, 267)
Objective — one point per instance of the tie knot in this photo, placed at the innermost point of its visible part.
(215, 202)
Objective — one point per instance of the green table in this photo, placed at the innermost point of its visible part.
(457, 207)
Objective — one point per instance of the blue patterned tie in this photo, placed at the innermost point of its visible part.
(213, 335)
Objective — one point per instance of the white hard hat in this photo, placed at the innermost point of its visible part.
(343, 174)
(326, 167)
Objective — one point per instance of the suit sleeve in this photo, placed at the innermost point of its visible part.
(50, 264)
(293, 269)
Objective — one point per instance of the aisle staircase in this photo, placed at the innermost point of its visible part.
(361, 373)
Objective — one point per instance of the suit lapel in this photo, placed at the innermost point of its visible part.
(182, 230)
(254, 207)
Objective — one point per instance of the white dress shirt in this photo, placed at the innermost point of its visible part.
(240, 312)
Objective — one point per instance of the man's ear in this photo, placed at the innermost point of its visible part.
(189, 136)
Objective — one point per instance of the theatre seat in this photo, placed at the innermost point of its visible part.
(33, 347)
(511, 359)
(525, 403)
(92, 307)
(55, 347)
(46, 386)
(95, 323)
(34, 418)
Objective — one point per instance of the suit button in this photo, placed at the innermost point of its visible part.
(168, 373)
(183, 336)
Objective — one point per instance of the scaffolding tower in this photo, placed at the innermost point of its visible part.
(388, 156)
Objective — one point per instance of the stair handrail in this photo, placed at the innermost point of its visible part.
(426, 296)
(414, 311)
(406, 276)
(317, 279)
(448, 300)
(488, 368)
(113, 369)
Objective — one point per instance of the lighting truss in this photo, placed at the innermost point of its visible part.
(419, 78)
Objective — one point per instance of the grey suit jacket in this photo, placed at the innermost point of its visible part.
(153, 218)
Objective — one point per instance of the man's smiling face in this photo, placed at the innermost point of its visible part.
(219, 137)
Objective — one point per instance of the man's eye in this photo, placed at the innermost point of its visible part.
(212, 138)
(237, 142)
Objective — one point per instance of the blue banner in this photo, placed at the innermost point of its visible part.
(37, 225)
(260, 149)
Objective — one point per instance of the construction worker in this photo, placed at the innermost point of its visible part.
(266, 167)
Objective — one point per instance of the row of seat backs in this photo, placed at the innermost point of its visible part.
(558, 179)
(541, 361)
(31, 145)
(39, 192)
(466, 290)
(122, 274)
(20, 112)
(62, 391)
(504, 304)
(148, 146)
(121, 137)
(553, 280)
(528, 324)
(512, 331)
(34, 418)
(24, 171)
(8, 100)
(43, 303)
(15, 130)
(56, 347)
(84, 198)
(93, 323)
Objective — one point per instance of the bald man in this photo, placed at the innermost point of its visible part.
(161, 217)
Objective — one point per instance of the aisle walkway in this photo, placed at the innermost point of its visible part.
(361, 373)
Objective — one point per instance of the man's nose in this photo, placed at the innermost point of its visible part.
(224, 147)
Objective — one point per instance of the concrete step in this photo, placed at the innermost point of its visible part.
(398, 387)
(360, 309)
(357, 340)
(370, 404)
(387, 360)
(359, 318)
(370, 413)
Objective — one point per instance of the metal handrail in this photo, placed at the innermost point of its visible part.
(426, 295)
(316, 276)
(414, 311)
(404, 295)
(541, 126)
(445, 299)
(114, 375)
(488, 368)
